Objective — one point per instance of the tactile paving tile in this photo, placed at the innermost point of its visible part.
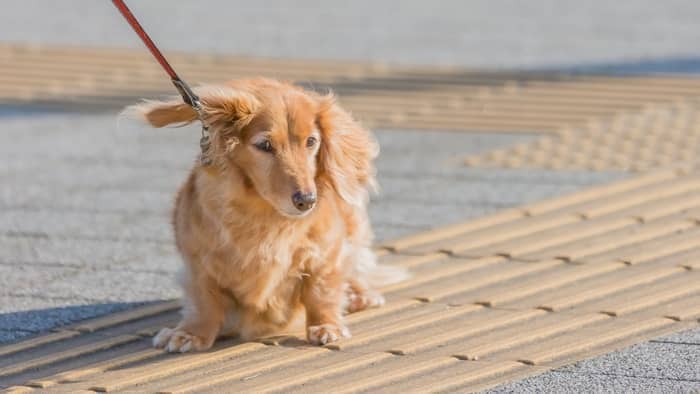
(658, 136)
(380, 95)
(586, 273)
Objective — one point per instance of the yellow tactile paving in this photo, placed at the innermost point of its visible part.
(35, 342)
(603, 244)
(688, 259)
(645, 251)
(402, 245)
(226, 370)
(675, 287)
(462, 243)
(541, 326)
(64, 354)
(597, 192)
(347, 363)
(660, 135)
(95, 368)
(586, 274)
(424, 316)
(452, 267)
(501, 294)
(455, 330)
(112, 320)
(637, 196)
(550, 217)
(537, 240)
(595, 288)
(685, 309)
(661, 207)
(174, 367)
(452, 287)
(381, 95)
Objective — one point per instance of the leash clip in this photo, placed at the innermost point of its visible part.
(189, 97)
(204, 144)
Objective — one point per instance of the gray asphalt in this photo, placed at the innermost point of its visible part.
(85, 200)
(669, 364)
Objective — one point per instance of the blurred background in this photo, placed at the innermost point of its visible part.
(547, 34)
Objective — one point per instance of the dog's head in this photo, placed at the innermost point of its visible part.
(290, 145)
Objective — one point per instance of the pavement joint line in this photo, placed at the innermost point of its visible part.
(675, 342)
(665, 378)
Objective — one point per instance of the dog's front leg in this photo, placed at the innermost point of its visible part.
(202, 318)
(322, 296)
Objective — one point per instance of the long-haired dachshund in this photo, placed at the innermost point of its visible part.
(275, 231)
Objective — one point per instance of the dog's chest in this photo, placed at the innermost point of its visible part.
(263, 273)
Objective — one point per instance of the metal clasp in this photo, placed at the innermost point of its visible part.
(191, 98)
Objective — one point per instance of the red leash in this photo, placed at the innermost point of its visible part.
(187, 94)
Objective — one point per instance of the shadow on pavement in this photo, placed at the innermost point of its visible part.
(668, 65)
(20, 325)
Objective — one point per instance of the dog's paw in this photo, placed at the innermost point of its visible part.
(179, 340)
(358, 302)
(326, 333)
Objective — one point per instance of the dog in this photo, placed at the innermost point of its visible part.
(274, 233)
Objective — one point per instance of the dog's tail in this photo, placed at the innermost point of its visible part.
(378, 275)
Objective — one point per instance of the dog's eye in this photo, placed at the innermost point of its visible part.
(311, 141)
(265, 146)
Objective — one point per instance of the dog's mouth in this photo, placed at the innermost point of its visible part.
(295, 213)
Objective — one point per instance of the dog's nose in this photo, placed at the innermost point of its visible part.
(304, 201)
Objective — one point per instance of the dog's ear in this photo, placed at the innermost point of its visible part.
(163, 113)
(219, 105)
(346, 153)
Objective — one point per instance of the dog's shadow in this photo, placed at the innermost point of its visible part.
(77, 344)
(19, 325)
(293, 341)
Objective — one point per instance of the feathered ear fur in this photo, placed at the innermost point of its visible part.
(346, 153)
(226, 111)
(219, 104)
